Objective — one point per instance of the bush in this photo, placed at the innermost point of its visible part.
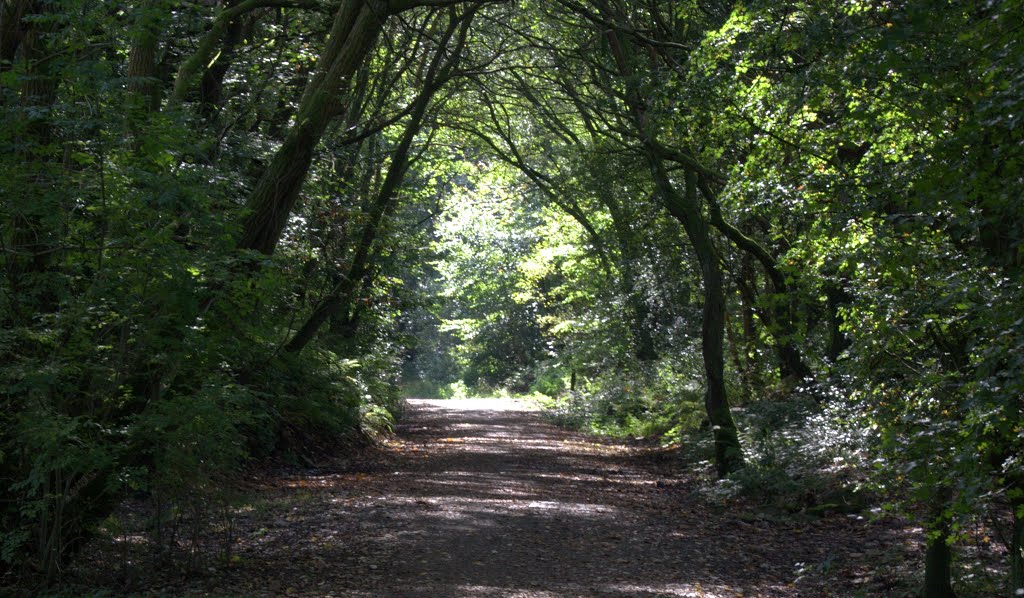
(425, 389)
(801, 458)
(549, 379)
(657, 400)
(455, 390)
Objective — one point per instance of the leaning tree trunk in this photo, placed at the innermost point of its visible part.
(686, 208)
(211, 86)
(340, 297)
(353, 34)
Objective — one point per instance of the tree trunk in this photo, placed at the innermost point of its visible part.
(142, 72)
(728, 454)
(938, 555)
(12, 30)
(211, 86)
(643, 339)
(341, 296)
(203, 56)
(937, 568)
(686, 209)
(353, 34)
(838, 340)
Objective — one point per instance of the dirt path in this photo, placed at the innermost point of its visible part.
(483, 498)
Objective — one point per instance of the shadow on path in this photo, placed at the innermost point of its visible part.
(482, 498)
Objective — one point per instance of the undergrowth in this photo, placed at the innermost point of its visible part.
(801, 456)
(177, 457)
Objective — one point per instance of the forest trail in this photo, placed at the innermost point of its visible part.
(483, 497)
(490, 500)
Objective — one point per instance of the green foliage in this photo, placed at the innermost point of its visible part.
(551, 379)
(189, 440)
(662, 400)
(425, 389)
(140, 351)
(872, 151)
(455, 390)
(802, 459)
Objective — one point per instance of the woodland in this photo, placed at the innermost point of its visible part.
(783, 237)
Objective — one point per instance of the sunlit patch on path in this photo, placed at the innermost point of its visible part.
(482, 497)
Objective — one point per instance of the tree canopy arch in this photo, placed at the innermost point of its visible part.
(231, 228)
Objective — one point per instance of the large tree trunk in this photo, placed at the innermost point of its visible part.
(938, 556)
(353, 34)
(12, 29)
(937, 569)
(142, 67)
(341, 296)
(686, 209)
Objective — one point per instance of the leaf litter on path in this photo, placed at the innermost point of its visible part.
(485, 498)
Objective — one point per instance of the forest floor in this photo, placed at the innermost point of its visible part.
(483, 497)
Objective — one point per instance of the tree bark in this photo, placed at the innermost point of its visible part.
(937, 569)
(142, 68)
(12, 30)
(211, 86)
(341, 296)
(353, 34)
(686, 209)
(202, 57)
(838, 340)
(938, 555)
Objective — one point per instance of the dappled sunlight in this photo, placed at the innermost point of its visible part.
(497, 502)
(686, 590)
(498, 404)
(683, 590)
